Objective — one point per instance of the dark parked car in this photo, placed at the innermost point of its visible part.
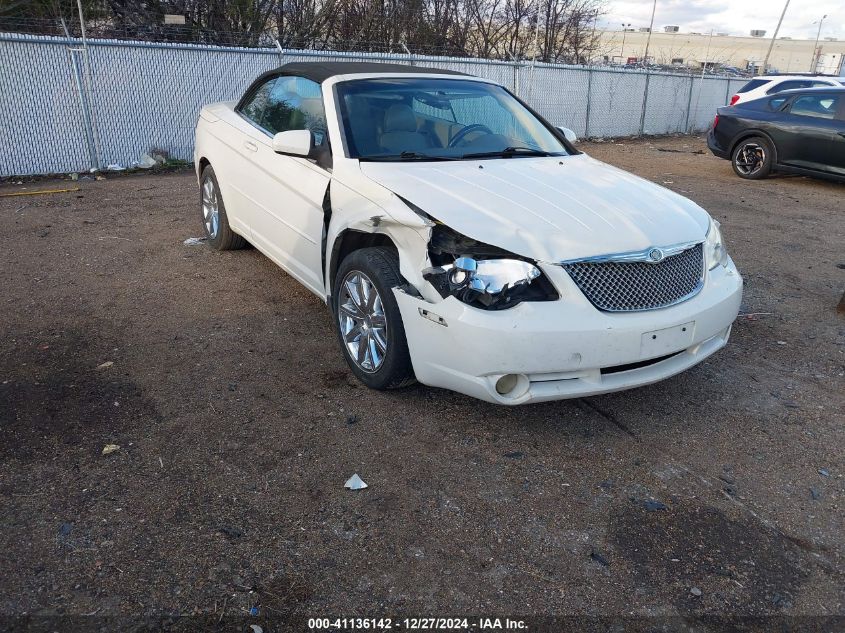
(799, 131)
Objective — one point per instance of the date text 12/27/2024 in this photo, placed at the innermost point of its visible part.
(416, 624)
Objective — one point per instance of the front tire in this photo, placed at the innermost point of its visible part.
(369, 324)
(215, 222)
(753, 158)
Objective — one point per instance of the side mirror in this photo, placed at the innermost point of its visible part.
(569, 134)
(294, 143)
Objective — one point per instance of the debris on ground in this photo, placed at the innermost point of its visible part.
(355, 483)
(195, 241)
(105, 365)
(696, 592)
(38, 193)
(159, 155)
(681, 151)
(116, 167)
(351, 419)
(230, 531)
(824, 472)
(600, 558)
(146, 161)
(652, 505)
(815, 494)
(513, 455)
(108, 449)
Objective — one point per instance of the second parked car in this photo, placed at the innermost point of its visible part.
(760, 87)
(798, 131)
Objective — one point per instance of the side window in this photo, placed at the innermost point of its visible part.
(820, 106)
(752, 85)
(254, 108)
(776, 103)
(788, 85)
(295, 104)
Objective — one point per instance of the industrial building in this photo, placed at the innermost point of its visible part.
(671, 46)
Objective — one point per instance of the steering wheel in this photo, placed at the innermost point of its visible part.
(475, 127)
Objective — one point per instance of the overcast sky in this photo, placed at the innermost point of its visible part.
(736, 17)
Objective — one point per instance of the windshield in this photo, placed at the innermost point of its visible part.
(438, 119)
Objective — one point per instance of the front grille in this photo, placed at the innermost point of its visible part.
(630, 286)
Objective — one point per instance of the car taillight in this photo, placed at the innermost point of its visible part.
(715, 121)
(734, 99)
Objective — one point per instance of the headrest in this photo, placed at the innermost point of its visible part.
(400, 118)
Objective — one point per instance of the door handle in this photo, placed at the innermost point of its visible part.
(252, 147)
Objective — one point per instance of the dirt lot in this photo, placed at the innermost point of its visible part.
(238, 424)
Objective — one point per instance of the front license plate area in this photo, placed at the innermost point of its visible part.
(668, 340)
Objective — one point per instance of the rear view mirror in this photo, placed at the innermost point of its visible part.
(294, 143)
(568, 134)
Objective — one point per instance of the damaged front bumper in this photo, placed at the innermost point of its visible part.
(552, 350)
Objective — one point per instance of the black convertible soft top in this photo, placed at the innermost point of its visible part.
(320, 71)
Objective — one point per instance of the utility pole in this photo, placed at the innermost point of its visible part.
(774, 37)
(650, 29)
(816, 52)
(624, 31)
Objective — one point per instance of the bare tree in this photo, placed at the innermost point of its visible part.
(565, 29)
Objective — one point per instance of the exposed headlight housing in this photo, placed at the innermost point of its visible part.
(714, 247)
(482, 275)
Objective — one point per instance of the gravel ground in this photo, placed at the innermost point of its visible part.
(238, 424)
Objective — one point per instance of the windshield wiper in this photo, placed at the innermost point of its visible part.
(509, 152)
(408, 156)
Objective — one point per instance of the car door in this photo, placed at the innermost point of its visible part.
(811, 133)
(286, 192)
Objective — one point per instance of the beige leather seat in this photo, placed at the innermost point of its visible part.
(400, 131)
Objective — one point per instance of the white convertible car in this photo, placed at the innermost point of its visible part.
(459, 238)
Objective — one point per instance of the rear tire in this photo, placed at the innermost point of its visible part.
(367, 318)
(753, 158)
(215, 222)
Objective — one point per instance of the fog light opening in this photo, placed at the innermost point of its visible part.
(506, 384)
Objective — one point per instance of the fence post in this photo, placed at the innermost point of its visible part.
(589, 98)
(645, 102)
(83, 100)
(727, 90)
(689, 104)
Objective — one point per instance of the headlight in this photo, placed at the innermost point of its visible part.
(714, 247)
(482, 275)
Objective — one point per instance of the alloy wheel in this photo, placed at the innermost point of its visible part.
(362, 321)
(750, 159)
(210, 208)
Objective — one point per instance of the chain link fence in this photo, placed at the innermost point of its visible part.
(70, 105)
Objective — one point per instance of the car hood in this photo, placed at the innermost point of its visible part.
(549, 209)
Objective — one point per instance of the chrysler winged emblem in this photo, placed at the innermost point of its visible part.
(655, 255)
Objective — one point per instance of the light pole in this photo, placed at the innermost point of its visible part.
(650, 29)
(624, 31)
(816, 52)
(774, 37)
